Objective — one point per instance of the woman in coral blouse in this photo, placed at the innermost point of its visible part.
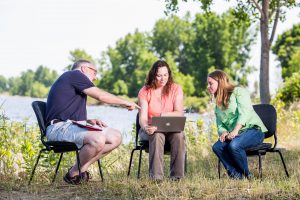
(160, 96)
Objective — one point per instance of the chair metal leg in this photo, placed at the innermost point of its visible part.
(219, 168)
(282, 160)
(78, 162)
(56, 170)
(185, 163)
(259, 166)
(140, 162)
(130, 162)
(36, 163)
(100, 170)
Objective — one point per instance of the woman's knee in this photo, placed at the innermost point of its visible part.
(217, 147)
(157, 139)
(177, 139)
(179, 136)
(234, 146)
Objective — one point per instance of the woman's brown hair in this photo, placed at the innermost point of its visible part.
(150, 81)
(225, 88)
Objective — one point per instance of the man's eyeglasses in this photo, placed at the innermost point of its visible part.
(95, 71)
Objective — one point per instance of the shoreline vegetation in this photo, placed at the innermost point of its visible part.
(19, 149)
(191, 104)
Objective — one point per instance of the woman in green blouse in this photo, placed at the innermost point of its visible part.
(239, 127)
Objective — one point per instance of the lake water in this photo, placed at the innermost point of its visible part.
(19, 109)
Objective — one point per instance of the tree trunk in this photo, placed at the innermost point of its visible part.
(265, 53)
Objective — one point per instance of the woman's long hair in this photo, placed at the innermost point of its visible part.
(225, 88)
(150, 81)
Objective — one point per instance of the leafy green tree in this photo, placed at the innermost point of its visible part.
(13, 85)
(186, 81)
(189, 48)
(227, 48)
(3, 84)
(77, 54)
(120, 88)
(294, 63)
(21, 85)
(32, 83)
(129, 61)
(27, 82)
(286, 48)
(268, 12)
(39, 90)
(290, 91)
(45, 76)
(144, 63)
(173, 35)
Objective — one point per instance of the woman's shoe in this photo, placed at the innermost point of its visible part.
(250, 176)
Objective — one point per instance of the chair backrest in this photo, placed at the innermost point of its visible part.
(39, 108)
(137, 129)
(268, 115)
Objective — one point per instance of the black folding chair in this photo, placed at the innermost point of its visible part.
(39, 108)
(144, 145)
(268, 115)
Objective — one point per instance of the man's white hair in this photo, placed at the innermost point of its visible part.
(79, 63)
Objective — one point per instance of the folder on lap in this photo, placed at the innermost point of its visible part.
(90, 127)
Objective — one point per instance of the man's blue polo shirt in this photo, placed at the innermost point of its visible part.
(66, 99)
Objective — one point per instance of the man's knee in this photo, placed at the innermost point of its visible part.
(118, 137)
(115, 136)
(97, 142)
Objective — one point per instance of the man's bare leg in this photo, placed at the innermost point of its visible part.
(96, 145)
(93, 144)
(113, 140)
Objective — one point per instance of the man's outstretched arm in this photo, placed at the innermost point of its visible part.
(109, 98)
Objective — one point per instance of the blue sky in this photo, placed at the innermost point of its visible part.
(43, 32)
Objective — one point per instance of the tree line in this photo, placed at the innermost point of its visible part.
(193, 46)
(29, 83)
(267, 13)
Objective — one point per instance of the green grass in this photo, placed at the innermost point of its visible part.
(201, 181)
(19, 149)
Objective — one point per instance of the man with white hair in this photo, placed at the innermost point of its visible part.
(66, 105)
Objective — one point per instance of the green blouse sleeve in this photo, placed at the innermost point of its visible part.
(244, 106)
(220, 126)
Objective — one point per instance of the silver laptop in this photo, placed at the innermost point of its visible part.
(169, 124)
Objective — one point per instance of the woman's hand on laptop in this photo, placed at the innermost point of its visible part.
(150, 129)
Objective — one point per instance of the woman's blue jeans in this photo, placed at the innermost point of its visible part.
(232, 153)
